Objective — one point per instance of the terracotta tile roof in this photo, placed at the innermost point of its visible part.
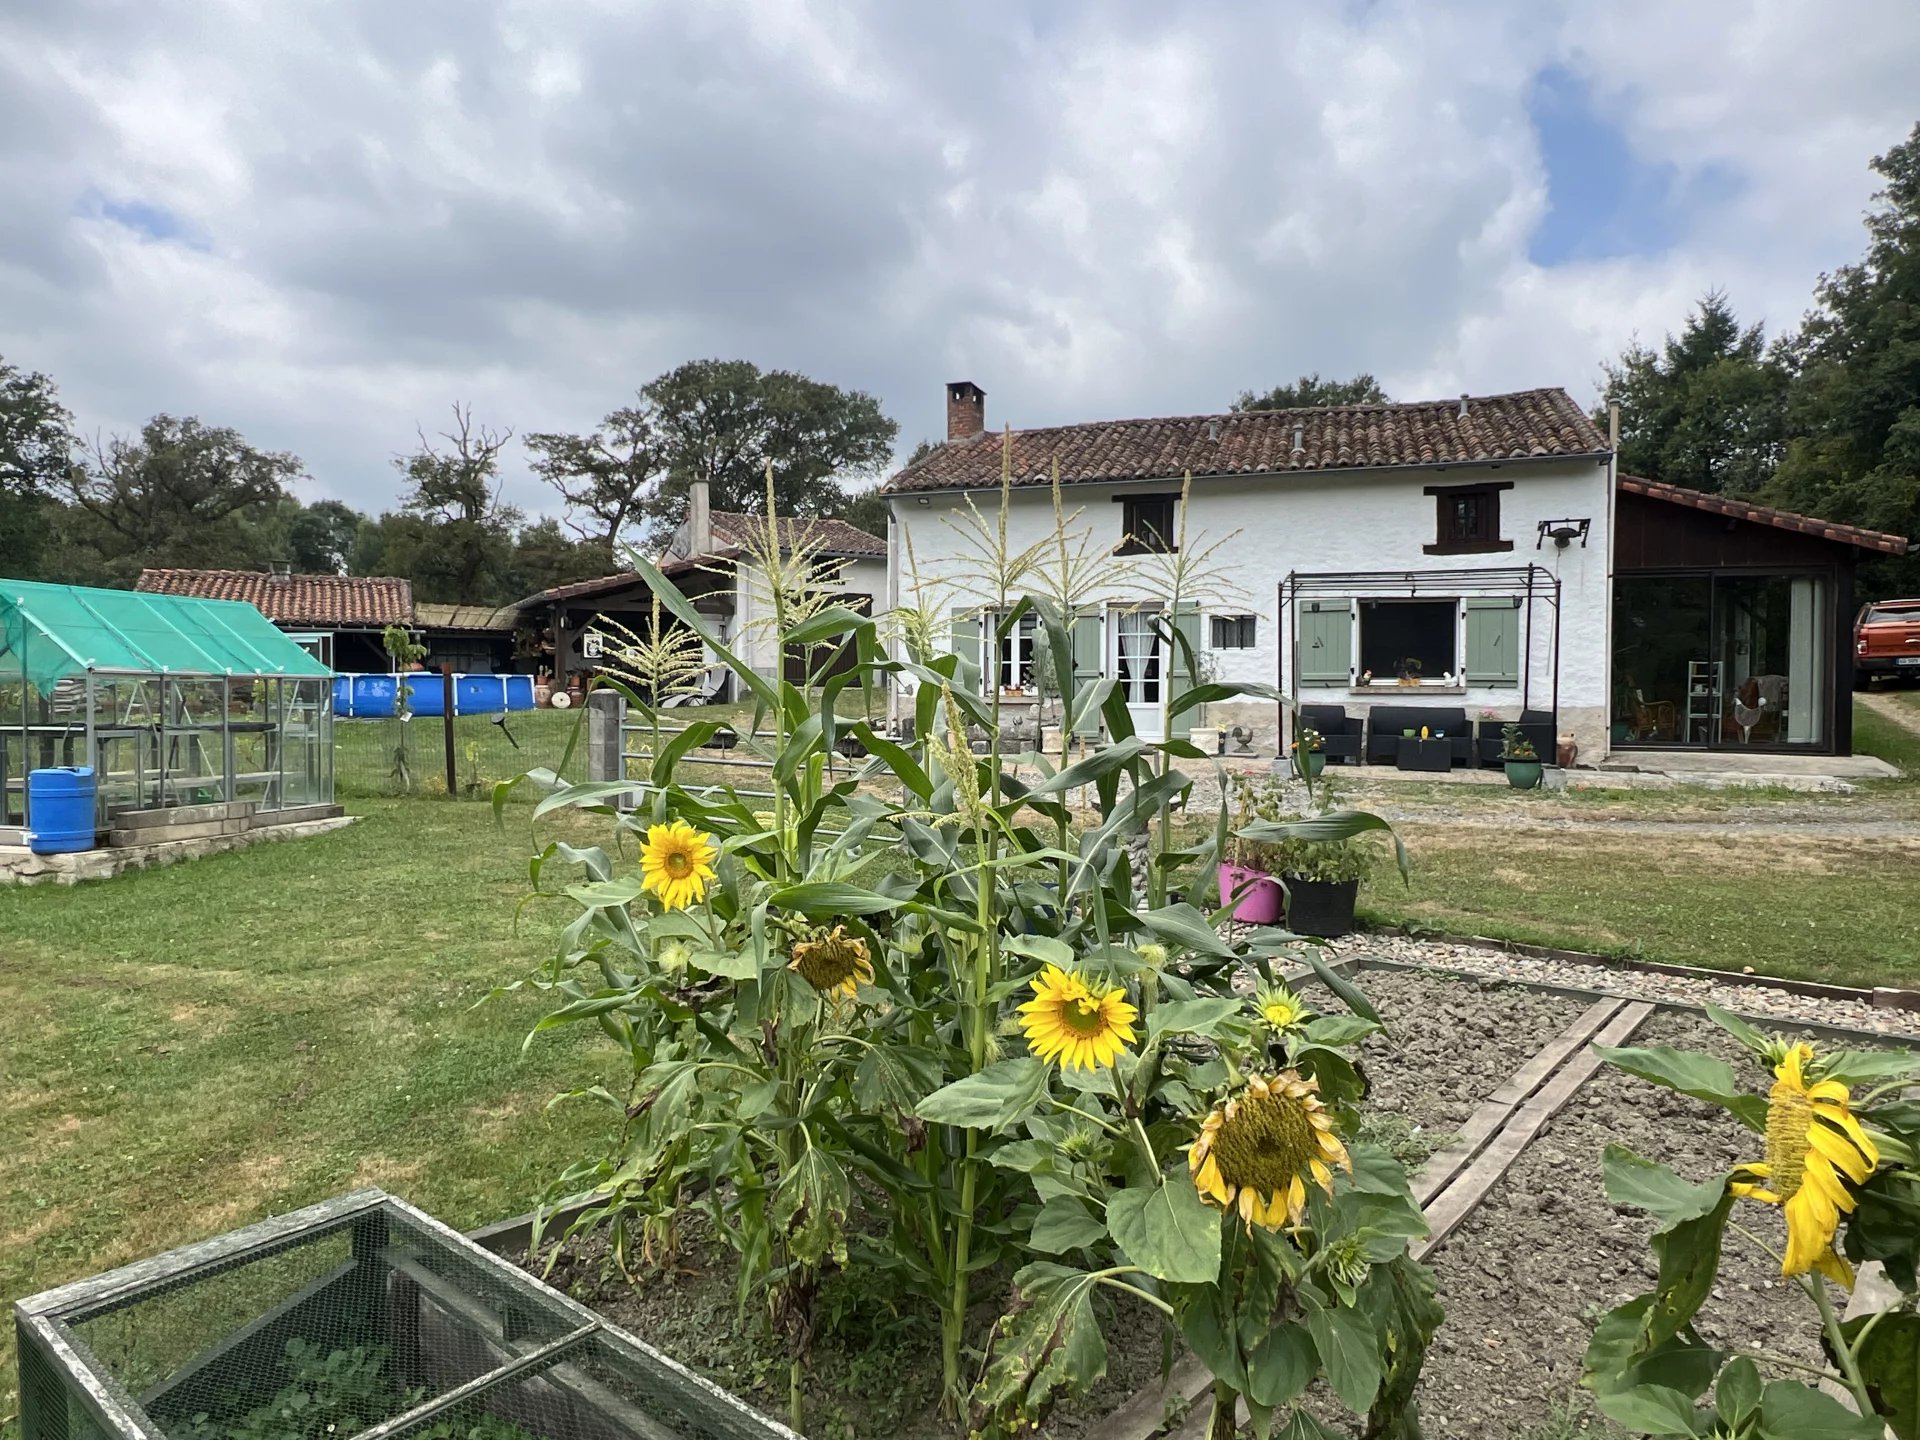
(575, 589)
(825, 537)
(1854, 535)
(351, 602)
(1524, 425)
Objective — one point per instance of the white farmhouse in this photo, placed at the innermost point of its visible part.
(1447, 565)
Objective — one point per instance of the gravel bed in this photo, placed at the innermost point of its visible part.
(1544, 1254)
(1757, 999)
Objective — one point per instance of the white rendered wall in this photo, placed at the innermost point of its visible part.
(753, 606)
(1352, 521)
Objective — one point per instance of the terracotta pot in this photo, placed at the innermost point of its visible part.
(1566, 750)
(1261, 902)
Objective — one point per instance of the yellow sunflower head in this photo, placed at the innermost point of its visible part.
(833, 962)
(1257, 1151)
(676, 864)
(1081, 1027)
(1814, 1147)
(1281, 1008)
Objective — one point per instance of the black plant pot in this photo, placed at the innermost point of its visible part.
(1320, 907)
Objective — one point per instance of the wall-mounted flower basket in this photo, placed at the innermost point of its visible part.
(400, 1328)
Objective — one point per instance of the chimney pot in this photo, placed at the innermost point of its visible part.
(699, 520)
(966, 410)
(1299, 439)
(280, 569)
(1463, 407)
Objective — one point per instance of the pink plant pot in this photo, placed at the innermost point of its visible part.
(1262, 901)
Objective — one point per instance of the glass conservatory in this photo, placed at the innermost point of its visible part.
(171, 700)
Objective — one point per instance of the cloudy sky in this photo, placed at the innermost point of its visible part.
(322, 221)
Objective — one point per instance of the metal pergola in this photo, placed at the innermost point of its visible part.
(1532, 585)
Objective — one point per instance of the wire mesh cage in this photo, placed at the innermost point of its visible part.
(360, 1317)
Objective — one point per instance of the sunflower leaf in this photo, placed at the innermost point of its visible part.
(1280, 1365)
(1064, 1224)
(1890, 1364)
(1868, 1067)
(1792, 1411)
(1650, 1410)
(1737, 1394)
(991, 1099)
(1650, 1186)
(1168, 1231)
(1702, 1076)
(1050, 1340)
(1689, 1257)
(1191, 1017)
(1350, 1351)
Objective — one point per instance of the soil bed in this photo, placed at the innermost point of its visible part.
(1450, 1043)
(1544, 1255)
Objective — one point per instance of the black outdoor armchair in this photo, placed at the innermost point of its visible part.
(1344, 735)
(1537, 725)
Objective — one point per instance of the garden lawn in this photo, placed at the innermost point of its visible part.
(186, 1050)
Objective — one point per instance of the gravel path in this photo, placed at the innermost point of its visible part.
(1757, 1000)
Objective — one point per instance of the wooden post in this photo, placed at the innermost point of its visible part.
(446, 722)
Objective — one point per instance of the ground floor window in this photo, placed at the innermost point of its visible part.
(1410, 638)
(1722, 661)
(1008, 659)
(1137, 657)
(1233, 632)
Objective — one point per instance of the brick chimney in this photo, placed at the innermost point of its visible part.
(699, 520)
(966, 410)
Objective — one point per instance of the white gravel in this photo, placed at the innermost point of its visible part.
(1746, 999)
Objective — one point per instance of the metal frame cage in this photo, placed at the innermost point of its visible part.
(360, 1318)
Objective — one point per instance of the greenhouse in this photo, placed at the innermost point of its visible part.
(169, 701)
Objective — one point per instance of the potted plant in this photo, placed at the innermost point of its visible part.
(1249, 867)
(1309, 753)
(1520, 758)
(1322, 881)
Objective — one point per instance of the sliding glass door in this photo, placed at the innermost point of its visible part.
(1734, 662)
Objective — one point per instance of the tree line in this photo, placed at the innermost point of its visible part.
(184, 493)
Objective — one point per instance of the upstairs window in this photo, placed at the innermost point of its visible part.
(1468, 521)
(1233, 632)
(1147, 524)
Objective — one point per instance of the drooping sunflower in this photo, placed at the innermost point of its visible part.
(1068, 1021)
(833, 962)
(1814, 1146)
(676, 864)
(1257, 1151)
(1281, 1008)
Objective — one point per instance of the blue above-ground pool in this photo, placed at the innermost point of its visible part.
(372, 695)
(60, 809)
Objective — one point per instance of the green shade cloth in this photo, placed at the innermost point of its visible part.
(57, 632)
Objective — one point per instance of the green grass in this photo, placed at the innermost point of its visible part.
(189, 1049)
(1814, 908)
(1897, 744)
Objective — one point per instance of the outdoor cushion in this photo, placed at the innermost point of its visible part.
(1537, 725)
(1342, 733)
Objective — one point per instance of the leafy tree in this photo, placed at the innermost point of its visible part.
(544, 555)
(459, 544)
(1854, 414)
(183, 493)
(36, 434)
(605, 477)
(724, 420)
(1707, 409)
(868, 511)
(320, 537)
(1310, 391)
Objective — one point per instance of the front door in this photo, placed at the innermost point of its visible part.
(1139, 667)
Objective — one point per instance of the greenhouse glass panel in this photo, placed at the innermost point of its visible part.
(171, 701)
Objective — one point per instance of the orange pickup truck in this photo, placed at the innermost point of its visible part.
(1886, 642)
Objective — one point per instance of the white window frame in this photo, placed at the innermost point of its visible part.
(1003, 669)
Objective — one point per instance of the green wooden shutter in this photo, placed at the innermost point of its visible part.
(1326, 642)
(1186, 625)
(1089, 654)
(964, 640)
(1493, 641)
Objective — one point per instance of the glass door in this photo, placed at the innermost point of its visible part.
(1139, 662)
(1772, 643)
(1664, 691)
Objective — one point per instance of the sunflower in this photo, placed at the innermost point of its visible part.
(1814, 1146)
(833, 962)
(1281, 1008)
(1069, 1022)
(676, 863)
(1262, 1146)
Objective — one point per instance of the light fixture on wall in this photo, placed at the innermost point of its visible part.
(925, 501)
(1562, 532)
